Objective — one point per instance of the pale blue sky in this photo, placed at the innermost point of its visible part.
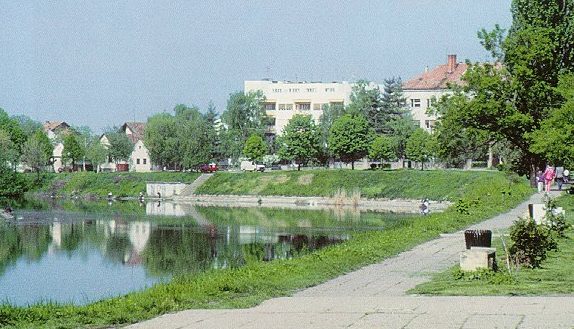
(101, 63)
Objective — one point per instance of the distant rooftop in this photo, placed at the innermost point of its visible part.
(439, 77)
(137, 130)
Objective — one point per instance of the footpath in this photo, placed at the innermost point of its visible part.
(375, 297)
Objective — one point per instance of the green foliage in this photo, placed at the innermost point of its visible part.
(34, 154)
(12, 184)
(120, 147)
(487, 276)
(72, 149)
(366, 102)
(255, 147)
(401, 130)
(383, 148)
(555, 138)
(243, 117)
(410, 184)
(160, 138)
(531, 242)
(299, 140)
(12, 128)
(349, 138)
(96, 153)
(120, 184)
(420, 146)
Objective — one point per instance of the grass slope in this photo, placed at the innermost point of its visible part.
(255, 282)
(556, 276)
(410, 184)
(100, 184)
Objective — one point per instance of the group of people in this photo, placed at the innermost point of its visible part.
(549, 175)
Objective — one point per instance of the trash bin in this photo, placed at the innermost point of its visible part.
(477, 238)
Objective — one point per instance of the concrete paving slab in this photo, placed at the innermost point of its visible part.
(383, 320)
(500, 321)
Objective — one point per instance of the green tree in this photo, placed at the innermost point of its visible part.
(455, 142)
(255, 147)
(420, 147)
(350, 137)
(512, 99)
(120, 147)
(555, 138)
(382, 148)
(400, 129)
(243, 117)
(300, 140)
(393, 103)
(15, 134)
(72, 149)
(34, 154)
(366, 100)
(160, 137)
(44, 142)
(8, 152)
(330, 114)
(96, 153)
(195, 134)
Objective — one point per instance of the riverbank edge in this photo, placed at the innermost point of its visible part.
(249, 285)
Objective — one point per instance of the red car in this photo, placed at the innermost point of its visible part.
(208, 168)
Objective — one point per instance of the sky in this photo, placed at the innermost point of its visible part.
(102, 63)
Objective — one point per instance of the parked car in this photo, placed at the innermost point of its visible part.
(208, 168)
(251, 166)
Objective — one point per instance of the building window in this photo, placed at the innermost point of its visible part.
(318, 106)
(303, 106)
(429, 124)
(145, 161)
(429, 102)
(269, 106)
(277, 90)
(311, 90)
(329, 90)
(137, 161)
(285, 107)
(293, 90)
(415, 102)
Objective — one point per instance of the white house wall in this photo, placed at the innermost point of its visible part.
(139, 159)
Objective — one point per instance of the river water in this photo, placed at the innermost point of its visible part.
(75, 252)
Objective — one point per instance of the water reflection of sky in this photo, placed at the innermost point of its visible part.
(50, 278)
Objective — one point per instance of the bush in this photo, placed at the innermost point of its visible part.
(556, 222)
(531, 242)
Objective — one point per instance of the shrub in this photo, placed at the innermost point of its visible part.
(556, 222)
(531, 242)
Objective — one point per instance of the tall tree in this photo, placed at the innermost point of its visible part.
(160, 137)
(255, 148)
(120, 147)
(350, 138)
(34, 155)
(96, 153)
(382, 148)
(72, 149)
(195, 134)
(420, 147)
(366, 101)
(513, 98)
(393, 103)
(300, 140)
(329, 115)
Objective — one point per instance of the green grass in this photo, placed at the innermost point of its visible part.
(100, 184)
(555, 277)
(255, 282)
(410, 184)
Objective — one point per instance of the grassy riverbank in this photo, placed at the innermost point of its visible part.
(90, 184)
(556, 276)
(255, 282)
(408, 184)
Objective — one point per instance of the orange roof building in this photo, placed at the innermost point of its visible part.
(421, 90)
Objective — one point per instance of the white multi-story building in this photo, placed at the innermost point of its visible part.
(421, 90)
(285, 98)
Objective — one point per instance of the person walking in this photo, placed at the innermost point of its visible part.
(540, 181)
(559, 177)
(549, 175)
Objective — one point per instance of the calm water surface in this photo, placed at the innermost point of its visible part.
(82, 252)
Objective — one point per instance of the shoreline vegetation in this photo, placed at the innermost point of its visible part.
(554, 277)
(480, 195)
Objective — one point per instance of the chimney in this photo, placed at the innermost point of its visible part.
(451, 63)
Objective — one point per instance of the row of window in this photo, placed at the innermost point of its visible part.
(300, 106)
(296, 90)
(416, 102)
(144, 161)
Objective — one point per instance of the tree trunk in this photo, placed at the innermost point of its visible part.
(533, 175)
(352, 165)
(298, 167)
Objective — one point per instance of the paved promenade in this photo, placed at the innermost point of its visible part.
(374, 297)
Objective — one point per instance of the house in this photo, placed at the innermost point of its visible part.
(54, 130)
(423, 89)
(140, 160)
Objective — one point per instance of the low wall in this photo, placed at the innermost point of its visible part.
(165, 190)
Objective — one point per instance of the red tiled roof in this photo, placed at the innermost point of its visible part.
(137, 129)
(439, 77)
(55, 125)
